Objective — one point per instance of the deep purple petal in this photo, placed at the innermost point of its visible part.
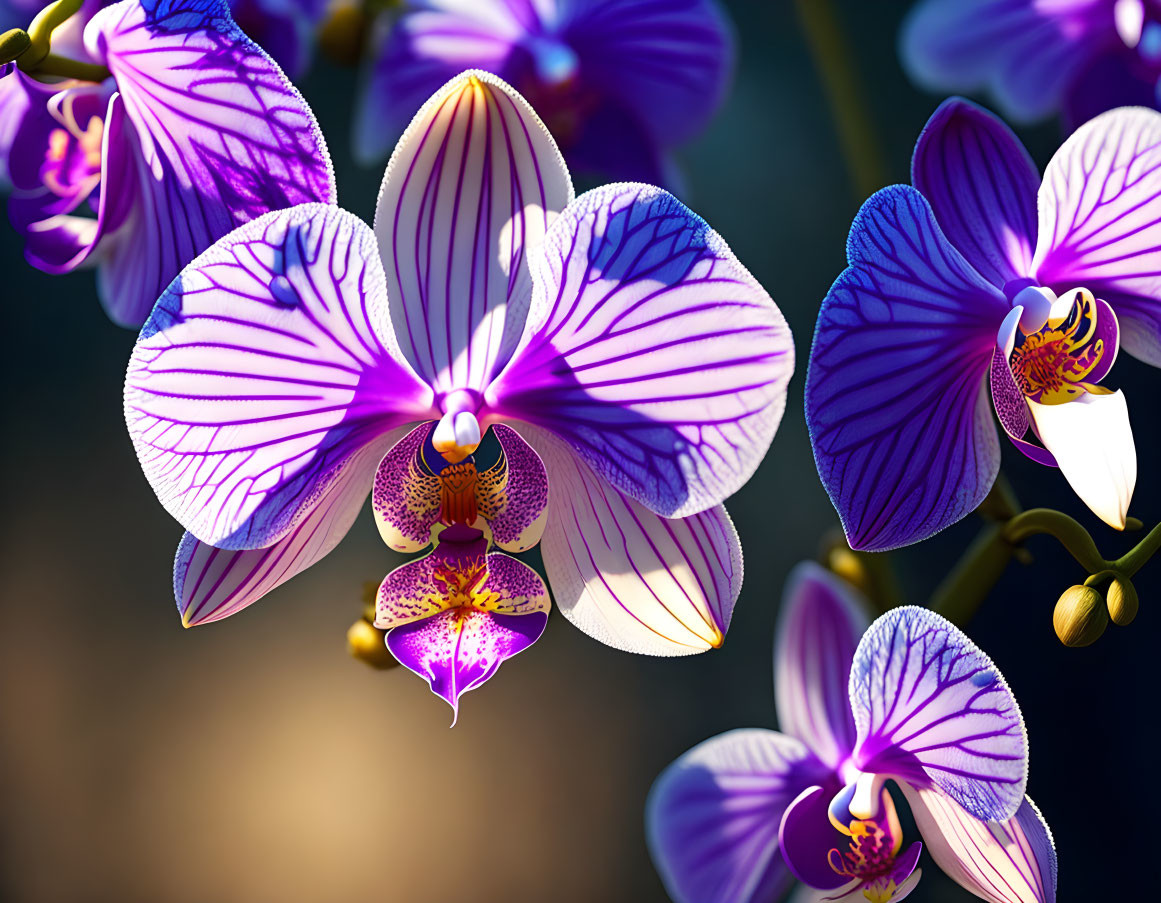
(1111, 79)
(14, 106)
(651, 350)
(283, 28)
(932, 710)
(221, 137)
(895, 399)
(469, 193)
(671, 63)
(712, 817)
(1026, 53)
(819, 627)
(1100, 222)
(626, 576)
(210, 583)
(981, 184)
(807, 837)
(1011, 861)
(265, 366)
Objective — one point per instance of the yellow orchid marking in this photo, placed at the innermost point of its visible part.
(1050, 366)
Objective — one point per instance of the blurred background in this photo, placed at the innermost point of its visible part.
(253, 760)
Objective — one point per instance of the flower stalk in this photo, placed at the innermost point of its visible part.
(32, 50)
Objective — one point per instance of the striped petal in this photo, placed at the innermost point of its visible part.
(932, 710)
(712, 817)
(220, 137)
(819, 627)
(981, 184)
(265, 367)
(651, 350)
(471, 189)
(625, 576)
(211, 584)
(896, 401)
(460, 612)
(1012, 861)
(1100, 222)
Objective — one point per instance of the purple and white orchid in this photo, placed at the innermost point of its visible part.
(195, 132)
(618, 82)
(602, 371)
(1038, 57)
(908, 699)
(981, 270)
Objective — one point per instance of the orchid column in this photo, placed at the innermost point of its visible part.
(501, 362)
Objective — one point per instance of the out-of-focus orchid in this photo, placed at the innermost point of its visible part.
(283, 28)
(642, 366)
(980, 269)
(914, 701)
(194, 132)
(1078, 57)
(618, 82)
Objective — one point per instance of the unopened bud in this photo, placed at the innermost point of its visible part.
(1080, 616)
(1122, 600)
(366, 643)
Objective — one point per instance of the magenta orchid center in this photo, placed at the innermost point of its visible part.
(72, 163)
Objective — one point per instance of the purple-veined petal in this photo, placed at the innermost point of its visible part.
(457, 614)
(895, 398)
(712, 817)
(1010, 861)
(981, 184)
(1091, 440)
(470, 191)
(406, 498)
(807, 836)
(263, 369)
(1026, 52)
(221, 137)
(933, 711)
(1100, 222)
(627, 577)
(819, 627)
(651, 350)
(211, 584)
(515, 500)
(283, 28)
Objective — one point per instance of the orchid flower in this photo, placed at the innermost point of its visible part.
(283, 28)
(195, 131)
(981, 273)
(1078, 57)
(600, 371)
(739, 817)
(618, 82)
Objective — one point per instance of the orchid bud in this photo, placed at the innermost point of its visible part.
(1122, 600)
(367, 643)
(1080, 616)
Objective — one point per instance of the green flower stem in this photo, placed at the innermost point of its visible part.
(66, 68)
(832, 58)
(977, 572)
(1131, 562)
(1075, 538)
(13, 43)
(32, 50)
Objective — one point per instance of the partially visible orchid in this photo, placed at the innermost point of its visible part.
(982, 273)
(618, 82)
(909, 699)
(600, 371)
(1076, 57)
(187, 130)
